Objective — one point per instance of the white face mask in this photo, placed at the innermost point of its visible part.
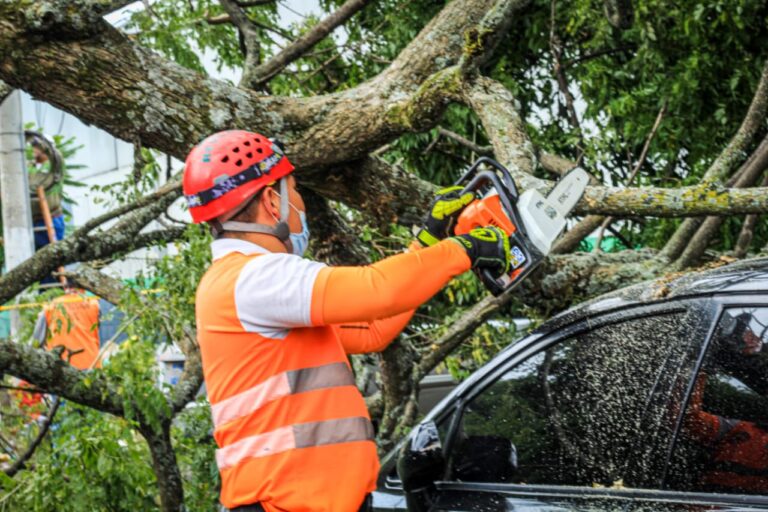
(299, 241)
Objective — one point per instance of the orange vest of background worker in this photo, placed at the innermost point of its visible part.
(275, 329)
(739, 448)
(71, 321)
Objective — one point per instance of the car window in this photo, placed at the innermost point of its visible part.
(722, 445)
(569, 415)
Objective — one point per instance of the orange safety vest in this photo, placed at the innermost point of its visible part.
(73, 322)
(739, 451)
(293, 430)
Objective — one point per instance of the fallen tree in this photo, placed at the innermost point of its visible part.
(372, 130)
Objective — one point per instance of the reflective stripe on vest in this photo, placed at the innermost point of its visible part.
(280, 385)
(303, 435)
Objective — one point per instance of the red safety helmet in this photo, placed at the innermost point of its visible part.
(228, 168)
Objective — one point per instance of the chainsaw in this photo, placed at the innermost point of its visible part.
(532, 221)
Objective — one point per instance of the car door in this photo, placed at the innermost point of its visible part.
(562, 424)
(717, 458)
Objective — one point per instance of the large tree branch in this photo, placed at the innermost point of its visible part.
(145, 98)
(481, 41)
(85, 246)
(571, 239)
(67, 17)
(164, 463)
(172, 188)
(387, 192)
(747, 177)
(736, 150)
(665, 202)
(496, 108)
(728, 159)
(262, 74)
(747, 232)
(333, 240)
(48, 372)
(100, 284)
(459, 330)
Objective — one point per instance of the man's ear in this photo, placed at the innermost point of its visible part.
(271, 202)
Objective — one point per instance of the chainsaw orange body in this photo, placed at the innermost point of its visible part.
(490, 212)
(496, 206)
(484, 212)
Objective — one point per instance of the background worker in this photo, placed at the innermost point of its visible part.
(45, 170)
(737, 448)
(275, 329)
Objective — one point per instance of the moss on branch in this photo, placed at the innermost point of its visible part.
(702, 199)
(425, 106)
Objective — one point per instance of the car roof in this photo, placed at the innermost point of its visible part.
(743, 276)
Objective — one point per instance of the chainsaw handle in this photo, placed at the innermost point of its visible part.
(507, 176)
(510, 208)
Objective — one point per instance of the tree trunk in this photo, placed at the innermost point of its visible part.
(164, 464)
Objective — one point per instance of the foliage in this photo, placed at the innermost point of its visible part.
(103, 459)
(670, 58)
(89, 461)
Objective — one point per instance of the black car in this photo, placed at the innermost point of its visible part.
(654, 397)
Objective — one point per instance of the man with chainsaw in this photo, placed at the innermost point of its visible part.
(275, 329)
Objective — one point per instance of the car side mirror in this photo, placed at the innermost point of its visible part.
(420, 463)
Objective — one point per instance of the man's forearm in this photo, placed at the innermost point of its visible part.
(387, 288)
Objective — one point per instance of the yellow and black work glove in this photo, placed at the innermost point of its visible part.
(488, 249)
(445, 209)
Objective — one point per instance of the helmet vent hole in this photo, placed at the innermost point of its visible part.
(239, 163)
(249, 155)
(259, 150)
(236, 150)
(225, 159)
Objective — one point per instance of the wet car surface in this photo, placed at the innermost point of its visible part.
(654, 397)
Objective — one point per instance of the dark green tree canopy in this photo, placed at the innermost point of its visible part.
(380, 102)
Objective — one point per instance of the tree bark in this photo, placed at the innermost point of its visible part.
(49, 373)
(164, 464)
(746, 177)
(332, 239)
(170, 108)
